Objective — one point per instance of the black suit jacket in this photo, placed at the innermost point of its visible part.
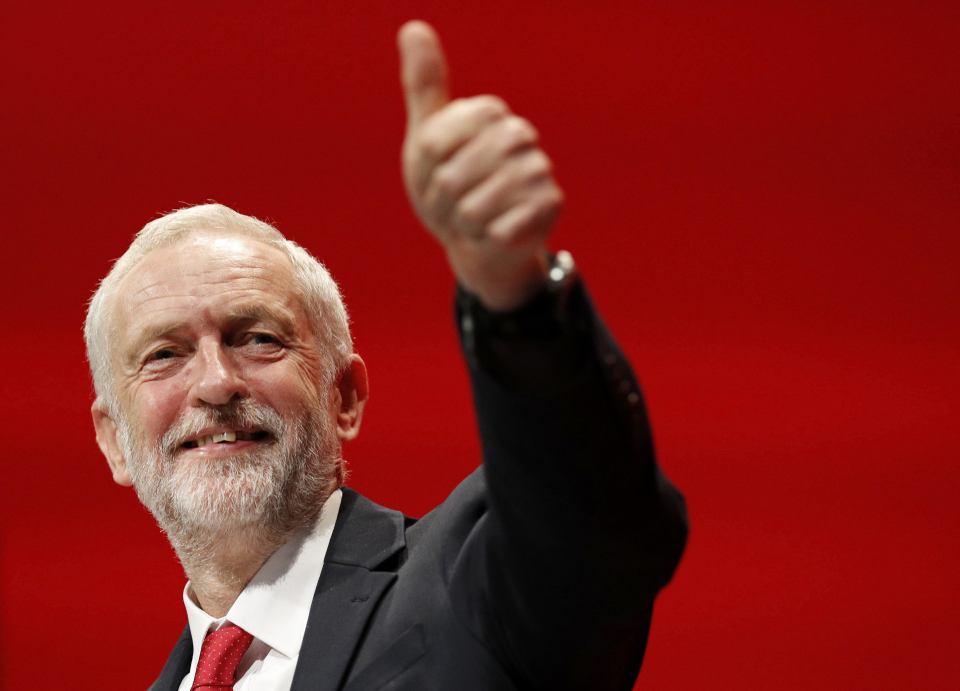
(538, 572)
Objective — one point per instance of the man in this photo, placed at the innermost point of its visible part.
(226, 383)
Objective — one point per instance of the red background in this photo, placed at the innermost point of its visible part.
(763, 197)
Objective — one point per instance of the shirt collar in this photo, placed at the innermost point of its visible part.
(275, 604)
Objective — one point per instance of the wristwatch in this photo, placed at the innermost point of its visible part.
(543, 316)
(561, 274)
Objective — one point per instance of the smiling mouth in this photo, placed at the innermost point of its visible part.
(226, 438)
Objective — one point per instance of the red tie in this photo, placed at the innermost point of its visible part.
(219, 657)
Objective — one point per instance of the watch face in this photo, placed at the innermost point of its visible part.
(562, 268)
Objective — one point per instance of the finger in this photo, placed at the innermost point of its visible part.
(477, 160)
(445, 132)
(507, 187)
(531, 220)
(423, 71)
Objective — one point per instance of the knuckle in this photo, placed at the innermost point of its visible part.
(490, 105)
(553, 198)
(429, 143)
(446, 180)
(468, 214)
(559, 198)
(550, 202)
(539, 164)
(509, 135)
(519, 131)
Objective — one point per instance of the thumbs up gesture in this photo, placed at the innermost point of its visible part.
(477, 178)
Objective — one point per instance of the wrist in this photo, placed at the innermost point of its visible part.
(503, 283)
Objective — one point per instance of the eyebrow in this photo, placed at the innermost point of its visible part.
(248, 313)
(258, 312)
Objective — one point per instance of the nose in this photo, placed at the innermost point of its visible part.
(218, 380)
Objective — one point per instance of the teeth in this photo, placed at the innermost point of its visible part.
(228, 437)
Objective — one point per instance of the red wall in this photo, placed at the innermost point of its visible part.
(764, 199)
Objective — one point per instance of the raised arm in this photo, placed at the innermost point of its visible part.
(580, 529)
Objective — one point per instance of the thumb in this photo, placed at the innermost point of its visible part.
(423, 71)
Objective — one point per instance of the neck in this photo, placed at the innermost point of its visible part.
(220, 565)
(220, 560)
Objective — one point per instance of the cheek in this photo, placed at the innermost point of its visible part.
(288, 390)
(157, 407)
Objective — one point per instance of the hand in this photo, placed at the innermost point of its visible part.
(476, 177)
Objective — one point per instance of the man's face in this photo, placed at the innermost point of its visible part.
(218, 379)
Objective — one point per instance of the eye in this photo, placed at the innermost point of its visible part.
(161, 359)
(263, 339)
(260, 341)
(161, 354)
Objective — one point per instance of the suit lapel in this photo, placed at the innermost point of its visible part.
(365, 536)
(178, 664)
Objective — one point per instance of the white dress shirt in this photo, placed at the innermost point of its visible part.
(273, 608)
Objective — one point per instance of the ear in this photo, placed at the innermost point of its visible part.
(109, 443)
(354, 390)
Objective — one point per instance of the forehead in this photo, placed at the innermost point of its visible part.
(202, 276)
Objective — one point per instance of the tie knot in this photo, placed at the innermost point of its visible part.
(219, 657)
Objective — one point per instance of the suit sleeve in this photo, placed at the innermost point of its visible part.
(582, 529)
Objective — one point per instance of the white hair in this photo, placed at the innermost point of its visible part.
(318, 291)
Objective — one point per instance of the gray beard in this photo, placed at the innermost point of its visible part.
(262, 495)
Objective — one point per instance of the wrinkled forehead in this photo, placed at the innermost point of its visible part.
(204, 271)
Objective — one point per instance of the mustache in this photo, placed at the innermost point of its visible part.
(239, 414)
